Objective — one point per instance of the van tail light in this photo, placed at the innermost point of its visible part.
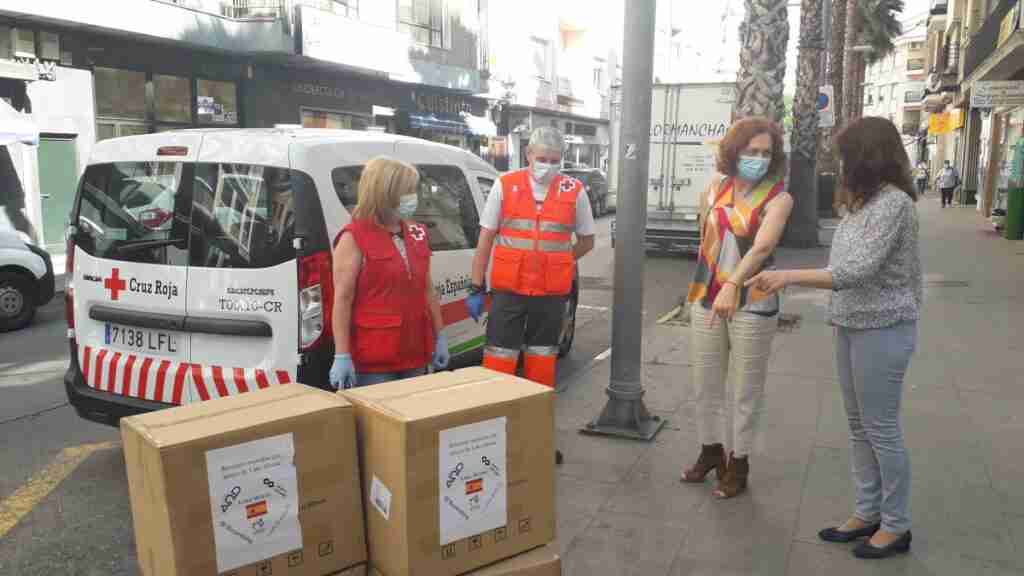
(69, 290)
(316, 296)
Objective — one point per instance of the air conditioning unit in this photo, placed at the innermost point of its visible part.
(23, 42)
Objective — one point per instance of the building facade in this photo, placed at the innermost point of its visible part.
(894, 86)
(88, 71)
(552, 65)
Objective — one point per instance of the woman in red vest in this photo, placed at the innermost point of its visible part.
(387, 318)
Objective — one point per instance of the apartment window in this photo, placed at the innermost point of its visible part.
(348, 8)
(539, 47)
(49, 46)
(917, 45)
(599, 66)
(915, 64)
(424, 21)
(912, 96)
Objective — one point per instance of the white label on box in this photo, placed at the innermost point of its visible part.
(254, 498)
(473, 479)
(381, 497)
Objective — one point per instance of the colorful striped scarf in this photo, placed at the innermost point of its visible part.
(730, 227)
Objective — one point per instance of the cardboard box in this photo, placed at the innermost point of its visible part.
(251, 485)
(458, 470)
(543, 561)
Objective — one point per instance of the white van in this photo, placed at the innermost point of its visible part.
(200, 260)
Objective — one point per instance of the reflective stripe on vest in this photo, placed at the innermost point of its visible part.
(533, 249)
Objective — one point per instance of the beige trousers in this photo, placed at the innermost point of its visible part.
(746, 344)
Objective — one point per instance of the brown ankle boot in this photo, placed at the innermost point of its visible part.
(712, 457)
(734, 481)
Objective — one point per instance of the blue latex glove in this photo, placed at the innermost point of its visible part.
(475, 303)
(343, 372)
(441, 355)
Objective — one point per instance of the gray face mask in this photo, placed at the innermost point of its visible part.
(542, 171)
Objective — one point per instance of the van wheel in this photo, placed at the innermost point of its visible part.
(568, 326)
(17, 301)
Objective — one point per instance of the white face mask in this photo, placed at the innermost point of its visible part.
(542, 171)
(407, 206)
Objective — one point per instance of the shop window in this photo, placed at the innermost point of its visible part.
(173, 98)
(424, 21)
(120, 93)
(333, 120)
(216, 102)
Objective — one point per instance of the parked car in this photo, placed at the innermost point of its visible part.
(26, 279)
(233, 291)
(596, 185)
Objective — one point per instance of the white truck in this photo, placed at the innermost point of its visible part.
(687, 123)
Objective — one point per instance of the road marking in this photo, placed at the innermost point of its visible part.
(24, 499)
(603, 355)
(594, 308)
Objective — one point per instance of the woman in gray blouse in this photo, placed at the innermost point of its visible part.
(874, 273)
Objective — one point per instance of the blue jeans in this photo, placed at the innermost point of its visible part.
(371, 378)
(871, 365)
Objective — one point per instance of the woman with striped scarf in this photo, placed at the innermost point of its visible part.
(744, 212)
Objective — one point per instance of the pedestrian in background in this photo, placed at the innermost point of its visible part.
(744, 211)
(528, 225)
(947, 181)
(387, 317)
(921, 175)
(874, 273)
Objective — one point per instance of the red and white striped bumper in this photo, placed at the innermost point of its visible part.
(161, 380)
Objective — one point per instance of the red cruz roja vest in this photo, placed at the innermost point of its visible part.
(533, 253)
(391, 328)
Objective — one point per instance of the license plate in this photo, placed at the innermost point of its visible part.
(143, 340)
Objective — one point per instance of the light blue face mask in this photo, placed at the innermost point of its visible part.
(407, 206)
(542, 171)
(752, 168)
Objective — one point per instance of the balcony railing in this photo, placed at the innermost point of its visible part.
(260, 9)
(984, 43)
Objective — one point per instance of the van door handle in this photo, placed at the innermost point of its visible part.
(44, 196)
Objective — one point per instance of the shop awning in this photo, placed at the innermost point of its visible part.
(439, 123)
(480, 125)
(16, 127)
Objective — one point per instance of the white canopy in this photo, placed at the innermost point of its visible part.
(16, 127)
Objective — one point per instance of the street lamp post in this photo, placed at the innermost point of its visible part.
(625, 413)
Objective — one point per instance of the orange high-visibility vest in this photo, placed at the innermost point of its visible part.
(533, 252)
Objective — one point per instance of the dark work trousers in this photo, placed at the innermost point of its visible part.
(947, 197)
(515, 321)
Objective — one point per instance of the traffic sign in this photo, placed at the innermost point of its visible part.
(826, 109)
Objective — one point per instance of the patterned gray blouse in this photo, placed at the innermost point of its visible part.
(876, 265)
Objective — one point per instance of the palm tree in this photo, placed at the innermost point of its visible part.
(802, 230)
(764, 34)
(877, 26)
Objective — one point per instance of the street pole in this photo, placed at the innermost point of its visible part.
(625, 413)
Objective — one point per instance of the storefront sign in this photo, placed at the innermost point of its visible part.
(441, 103)
(939, 124)
(997, 94)
(318, 90)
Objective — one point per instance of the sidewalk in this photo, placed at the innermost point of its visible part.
(622, 510)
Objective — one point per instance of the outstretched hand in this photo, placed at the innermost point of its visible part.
(770, 281)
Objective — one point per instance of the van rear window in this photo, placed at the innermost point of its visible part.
(210, 215)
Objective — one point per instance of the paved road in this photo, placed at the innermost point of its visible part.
(63, 495)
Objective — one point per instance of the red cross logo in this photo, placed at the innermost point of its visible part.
(115, 283)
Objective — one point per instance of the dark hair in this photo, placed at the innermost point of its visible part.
(872, 155)
(739, 136)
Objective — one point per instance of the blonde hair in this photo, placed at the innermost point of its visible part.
(383, 182)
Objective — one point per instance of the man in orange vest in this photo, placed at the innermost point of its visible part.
(527, 226)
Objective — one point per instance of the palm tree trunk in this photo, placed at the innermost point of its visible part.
(826, 161)
(763, 38)
(802, 229)
(851, 62)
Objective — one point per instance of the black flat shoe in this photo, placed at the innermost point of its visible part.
(837, 535)
(899, 546)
